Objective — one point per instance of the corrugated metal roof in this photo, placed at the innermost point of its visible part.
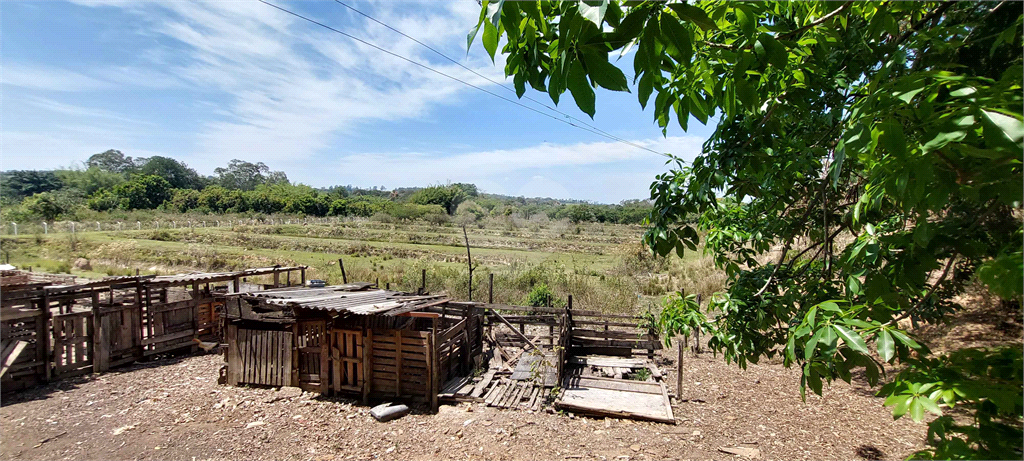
(340, 299)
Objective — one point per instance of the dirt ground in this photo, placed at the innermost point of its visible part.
(174, 409)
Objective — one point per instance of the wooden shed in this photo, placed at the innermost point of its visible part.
(352, 339)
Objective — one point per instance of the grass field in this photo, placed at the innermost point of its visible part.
(602, 265)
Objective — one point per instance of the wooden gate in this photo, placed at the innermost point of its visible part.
(119, 338)
(72, 344)
(311, 345)
(347, 360)
(261, 357)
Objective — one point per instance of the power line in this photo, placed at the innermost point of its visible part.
(590, 130)
(457, 63)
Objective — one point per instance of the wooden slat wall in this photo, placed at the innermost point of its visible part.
(263, 357)
(400, 364)
(72, 344)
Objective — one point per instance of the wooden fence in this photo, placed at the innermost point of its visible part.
(39, 345)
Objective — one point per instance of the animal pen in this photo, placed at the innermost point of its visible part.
(52, 328)
(355, 340)
(360, 341)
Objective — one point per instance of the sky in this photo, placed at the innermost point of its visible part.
(205, 83)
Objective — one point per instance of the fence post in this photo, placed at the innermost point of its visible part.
(15, 227)
(341, 264)
(423, 282)
(46, 228)
(490, 284)
(44, 333)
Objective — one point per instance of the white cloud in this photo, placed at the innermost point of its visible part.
(48, 78)
(292, 87)
(495, 162)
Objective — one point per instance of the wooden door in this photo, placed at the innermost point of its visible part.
(72, 344)
(347, 360)
(311, 346)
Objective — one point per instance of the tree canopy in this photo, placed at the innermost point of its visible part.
(865, 166)
(243, 175)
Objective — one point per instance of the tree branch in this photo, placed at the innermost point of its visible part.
(818, 22)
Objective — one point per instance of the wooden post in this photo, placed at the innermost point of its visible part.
(341, 264)
(195, 310)
(43, 333)
(387, 285)
(137, 327)
(277, 278)
(288, 279)
(236, 285)
(679, 371)
(302, 274)
(423, 282)
(367, 361)
(234, 358)
(490, 285)
(100, 350)
(433, 366)
(469, 258)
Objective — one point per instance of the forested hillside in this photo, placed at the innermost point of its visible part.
(112, 181)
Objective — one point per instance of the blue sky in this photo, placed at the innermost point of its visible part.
(209, 82)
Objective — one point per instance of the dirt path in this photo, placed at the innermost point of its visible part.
(174, 409)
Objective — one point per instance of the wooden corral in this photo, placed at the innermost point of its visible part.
(54, 328)
(352, 339)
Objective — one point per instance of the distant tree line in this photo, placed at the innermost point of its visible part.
(113, 181)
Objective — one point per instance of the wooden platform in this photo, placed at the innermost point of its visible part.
(620, 398)
(537, 368)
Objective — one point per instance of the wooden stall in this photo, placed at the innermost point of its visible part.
(352, 339)
(51, 327)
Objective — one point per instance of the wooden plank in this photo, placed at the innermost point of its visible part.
(606, 402)
(500, 391)
(169, 337)
(625, 385)
(606, 361)
(612, 334)
(514, 330)
(367, 365)
(11, 355)
(478, 390)
(530, 404)
(398, 362)
(638, 344)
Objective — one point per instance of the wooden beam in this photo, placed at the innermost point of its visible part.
(422, 315)
(516, 331)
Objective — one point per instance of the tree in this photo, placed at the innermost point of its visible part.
(18, 184)
(870, 155)
(144, 192)
(90, 180)
(244, 175)
(45, 205)
(112, 160)
(178, 174)
(449, 197)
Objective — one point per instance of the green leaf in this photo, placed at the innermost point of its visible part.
(930, 405)
(903, 338)
(916, 409)
(472, 33)
(520, 82)
(828, 337)
(694, 15)
(892, 138)
(886, 346)
(605, 73)
(852, 339)
(644, 89)
(746, 20)
(678, 37)
(594, 14)
(1004, 275)
(902, 403)
(490, 39)
(1002, 129)
(771, 51)
(580, 88)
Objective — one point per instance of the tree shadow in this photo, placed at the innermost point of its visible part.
(870, 452)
